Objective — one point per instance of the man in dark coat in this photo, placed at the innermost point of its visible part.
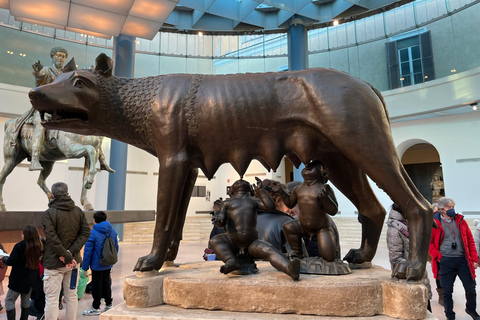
(66, 231)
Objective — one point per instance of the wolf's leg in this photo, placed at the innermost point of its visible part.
(172, 178)
(374, 154)
(180, 219)
(353, 183)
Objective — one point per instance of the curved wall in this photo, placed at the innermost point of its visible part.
(455, 43)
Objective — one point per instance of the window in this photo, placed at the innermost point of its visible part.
(410, 61)
(199, 191)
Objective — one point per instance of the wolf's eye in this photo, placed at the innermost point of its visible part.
(79, 83)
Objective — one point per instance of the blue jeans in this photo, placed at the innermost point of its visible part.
(448, 267)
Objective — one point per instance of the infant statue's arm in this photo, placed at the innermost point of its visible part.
(329, 201)
(220, 216)
(266, 203)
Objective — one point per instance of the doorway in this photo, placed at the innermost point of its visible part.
(422, 163)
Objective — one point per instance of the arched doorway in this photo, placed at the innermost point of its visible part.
(422, 163)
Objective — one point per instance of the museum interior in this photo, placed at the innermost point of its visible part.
(423, 56)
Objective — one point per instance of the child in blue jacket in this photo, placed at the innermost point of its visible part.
(101, 279)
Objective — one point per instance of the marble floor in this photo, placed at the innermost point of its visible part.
(193, 251)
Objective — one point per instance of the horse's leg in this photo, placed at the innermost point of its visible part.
(12, 157)
(47, 169)
(182, 213)
(87, 206)
(103, 164)
(172, 178)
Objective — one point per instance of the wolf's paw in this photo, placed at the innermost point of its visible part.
(355, 256)
(148, 262)
(410, 270)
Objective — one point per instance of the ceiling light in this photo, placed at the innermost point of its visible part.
(474, 106)
(453, 71)
(335, 22)
(200, 33)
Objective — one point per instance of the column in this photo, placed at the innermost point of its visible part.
(123, 55)
(297, 60)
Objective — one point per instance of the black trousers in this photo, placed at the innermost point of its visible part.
(101, 287)
(448, 267)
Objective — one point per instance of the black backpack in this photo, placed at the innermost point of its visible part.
(109, 252)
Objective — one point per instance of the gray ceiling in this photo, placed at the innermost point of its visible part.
(227, 16)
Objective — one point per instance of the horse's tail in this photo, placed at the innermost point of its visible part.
(101, 157)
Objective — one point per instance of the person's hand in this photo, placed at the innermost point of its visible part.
(72, 264)
(475, 265)
(85, 273)
(37, 66)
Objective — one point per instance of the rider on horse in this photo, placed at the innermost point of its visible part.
(43, 75)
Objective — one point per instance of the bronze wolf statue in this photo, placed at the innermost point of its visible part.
(57, 145)
(202, 121)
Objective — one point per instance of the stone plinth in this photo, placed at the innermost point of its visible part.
(363, 293)
(166, 312)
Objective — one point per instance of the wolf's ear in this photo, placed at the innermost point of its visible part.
(70, 66)
(104, 65)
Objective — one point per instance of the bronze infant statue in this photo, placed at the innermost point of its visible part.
(239, 216)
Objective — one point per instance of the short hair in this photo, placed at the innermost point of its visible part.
(242, 185)
(99, 216)
(444, 201)
(434, 206)
(217, 204)
(58, 49)
(59, 189)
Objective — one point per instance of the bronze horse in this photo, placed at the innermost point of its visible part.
(202, 121)
(58, 145)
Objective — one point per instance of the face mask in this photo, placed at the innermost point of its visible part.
(451, 213)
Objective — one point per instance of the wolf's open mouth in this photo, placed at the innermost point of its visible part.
(59, 115)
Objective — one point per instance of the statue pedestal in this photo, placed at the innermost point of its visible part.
(363, 293)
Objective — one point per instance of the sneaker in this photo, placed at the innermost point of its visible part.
(473, 314)
(92, 312)
(108, 307)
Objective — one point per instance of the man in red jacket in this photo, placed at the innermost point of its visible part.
(453, 251)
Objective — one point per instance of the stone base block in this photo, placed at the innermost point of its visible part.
(166, 312)
(363, 293)
(145, 289)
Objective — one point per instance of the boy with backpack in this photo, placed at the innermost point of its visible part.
(100, 255)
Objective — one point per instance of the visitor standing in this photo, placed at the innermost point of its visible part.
(24, 260)
(453, 252)
(92, 259)
(66, 230)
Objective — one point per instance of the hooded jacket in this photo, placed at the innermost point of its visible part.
(65, 228)
(94, 246)
(397, 238)
(467, 240)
